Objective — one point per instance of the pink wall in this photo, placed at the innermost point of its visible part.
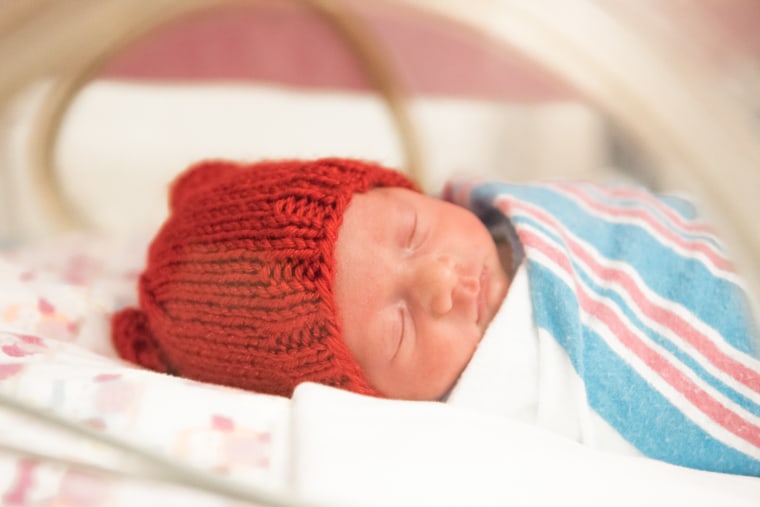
(286, 44)
(280, 42)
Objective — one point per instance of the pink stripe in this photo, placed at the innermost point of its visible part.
(672, 375)
(667, 318)
(706, 248)
(698, 397)
(640, 195)
(673, 322)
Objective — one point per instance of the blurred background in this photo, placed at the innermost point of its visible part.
(103, 102)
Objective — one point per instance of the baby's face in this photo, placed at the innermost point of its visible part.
(417, 282)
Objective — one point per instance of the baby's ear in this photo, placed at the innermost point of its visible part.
(198, 177)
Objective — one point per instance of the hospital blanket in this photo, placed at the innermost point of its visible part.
(641, 296)
(522, 373)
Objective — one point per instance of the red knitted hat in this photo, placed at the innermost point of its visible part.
(238, 287)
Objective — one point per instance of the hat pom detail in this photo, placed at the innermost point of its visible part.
(134, 341)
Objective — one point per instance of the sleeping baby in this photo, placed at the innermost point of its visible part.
(607, 314)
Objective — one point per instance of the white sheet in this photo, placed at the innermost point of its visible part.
(361, 451)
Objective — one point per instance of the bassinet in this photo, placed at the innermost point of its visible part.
(204, 445)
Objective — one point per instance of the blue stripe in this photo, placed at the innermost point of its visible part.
(665, 272)
(679, 354)
(633, 315)
(637, 411)
(635, 408)
(672, 277)
(681, 207)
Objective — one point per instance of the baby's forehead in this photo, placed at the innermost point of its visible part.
(390, 194)
(377, 210)
(394, 198)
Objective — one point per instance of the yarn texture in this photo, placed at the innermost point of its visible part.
(238, 284)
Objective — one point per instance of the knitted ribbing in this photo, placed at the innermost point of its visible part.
(238, 285)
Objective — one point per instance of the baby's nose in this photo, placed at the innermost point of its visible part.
(438, 283)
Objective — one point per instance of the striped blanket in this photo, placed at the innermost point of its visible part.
(642, 297)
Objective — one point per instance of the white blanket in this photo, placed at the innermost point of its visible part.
(359, 451)
(521, 373)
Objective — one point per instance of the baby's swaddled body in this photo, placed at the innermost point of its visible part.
(625, 327)
(519, 372)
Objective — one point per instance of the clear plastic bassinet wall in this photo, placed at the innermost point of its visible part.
(94, 132)
(104, 102)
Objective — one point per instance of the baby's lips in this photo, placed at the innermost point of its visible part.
(482, 294)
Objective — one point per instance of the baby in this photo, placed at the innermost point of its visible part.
(332, 271)
(341, 272)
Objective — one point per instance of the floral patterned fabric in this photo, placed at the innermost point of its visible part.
(55, 352)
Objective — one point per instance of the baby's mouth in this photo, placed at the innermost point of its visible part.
(482, 294)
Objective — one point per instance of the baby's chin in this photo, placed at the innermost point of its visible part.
(445, 392)
(435, 388)
(447, 384)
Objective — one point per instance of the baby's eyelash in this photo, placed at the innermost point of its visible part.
(402, 330)
(413, 232)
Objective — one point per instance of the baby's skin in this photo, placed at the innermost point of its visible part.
(418, 280)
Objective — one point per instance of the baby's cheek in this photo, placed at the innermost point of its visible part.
(443, 367)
